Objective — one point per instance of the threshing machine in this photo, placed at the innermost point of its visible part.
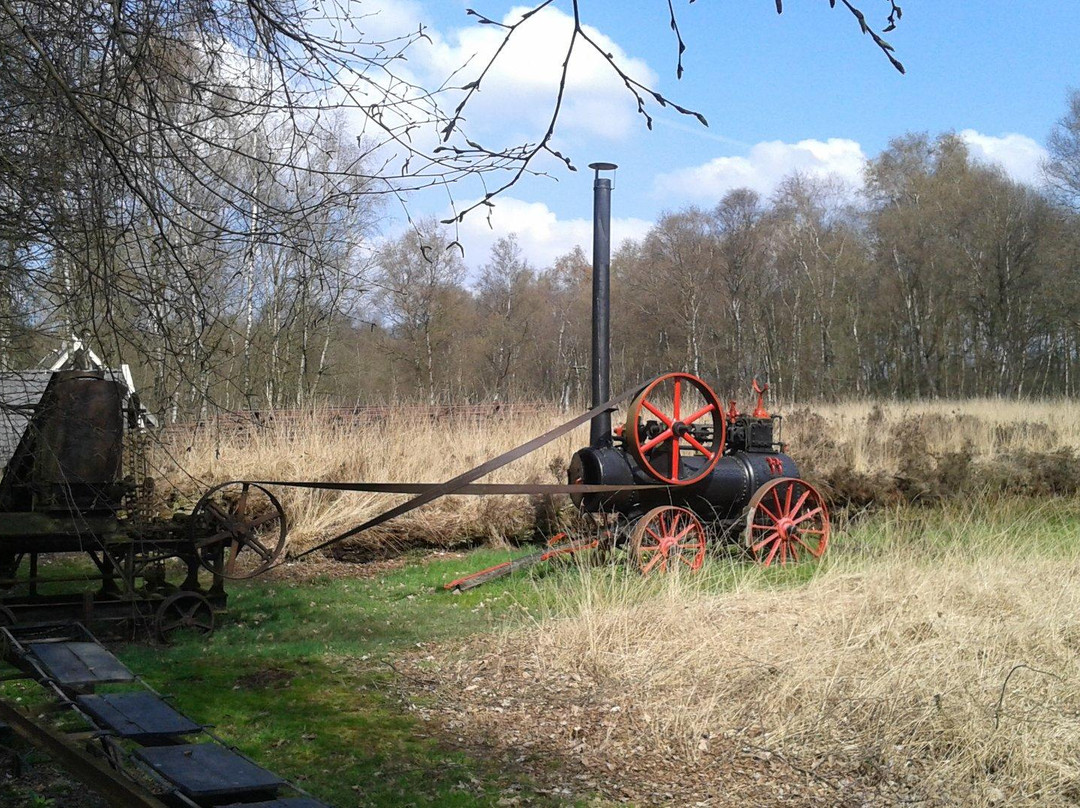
(75, 485)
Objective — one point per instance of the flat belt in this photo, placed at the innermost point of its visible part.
(462, 483)
(469, 489)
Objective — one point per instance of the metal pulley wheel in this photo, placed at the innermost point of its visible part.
(238, 529)
(786, 520)
(183, 613)
(675, 429)
(668, 539)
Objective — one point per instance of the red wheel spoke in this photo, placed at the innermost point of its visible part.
(703, 411)
(776, 498)
(799, 504)
(811, 530)
(787, 500)
(794, 552)
(772, 515)
(653, 533)
(783, 553)
(767, 540)
(677, 400)
(697, 444)
(674, 457)
(772, 553)
(695, 545)
(663, 436)
(663, 418)
(689, 527)
(806, 516)
(809, 549)
(658, 557)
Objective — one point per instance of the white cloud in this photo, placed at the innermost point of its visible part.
(764, 167)
(1020, 156)
(517, 96)
(541, 234)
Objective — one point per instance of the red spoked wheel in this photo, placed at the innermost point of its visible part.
(786, 520)
(668, 539)
(687, 419)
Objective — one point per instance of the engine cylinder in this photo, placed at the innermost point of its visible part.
(722, 494)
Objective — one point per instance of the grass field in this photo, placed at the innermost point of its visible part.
(931, 659)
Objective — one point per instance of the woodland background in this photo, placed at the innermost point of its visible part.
(157, 191)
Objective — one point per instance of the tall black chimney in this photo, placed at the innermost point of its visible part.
(600, 428)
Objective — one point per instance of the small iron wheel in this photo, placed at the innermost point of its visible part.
(786, 520)
(238, 519)
(668, 539)
(184, 613)
(692, 403)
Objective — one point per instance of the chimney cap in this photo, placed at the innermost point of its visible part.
(603, 166)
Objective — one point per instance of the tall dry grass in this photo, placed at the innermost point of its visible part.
(391, 449)
(941, 667)
(862, 453)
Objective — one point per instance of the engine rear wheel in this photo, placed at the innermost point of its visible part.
(668, 539)
(786, 520)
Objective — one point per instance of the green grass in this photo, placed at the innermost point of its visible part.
(301, 676)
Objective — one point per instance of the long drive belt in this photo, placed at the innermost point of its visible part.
(464, 483)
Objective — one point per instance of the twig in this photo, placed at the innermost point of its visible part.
(1001, 695)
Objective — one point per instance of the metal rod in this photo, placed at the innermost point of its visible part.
(600, 428)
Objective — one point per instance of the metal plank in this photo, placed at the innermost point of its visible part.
(92, 772)
(139, 716)
(289, 802)
(206, 770)
(74, 664)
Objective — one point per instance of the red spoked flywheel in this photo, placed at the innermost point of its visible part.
(675, 428)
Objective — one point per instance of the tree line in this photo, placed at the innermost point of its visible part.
(941, 277)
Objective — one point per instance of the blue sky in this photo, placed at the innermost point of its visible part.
(803, 90)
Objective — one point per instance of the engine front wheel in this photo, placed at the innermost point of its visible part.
(786, 521)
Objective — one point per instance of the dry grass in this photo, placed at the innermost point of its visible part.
(390, 450)
(863, 453)
(929, 662)
(933, 657)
